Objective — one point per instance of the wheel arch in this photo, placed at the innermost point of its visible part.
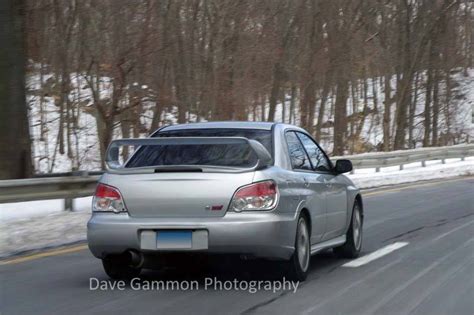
(353, 196)
(305, 212)
(358, 199)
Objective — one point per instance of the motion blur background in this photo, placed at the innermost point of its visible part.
(360, 75)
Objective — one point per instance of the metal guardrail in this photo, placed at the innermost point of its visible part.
(72, 185)
(378, 160)
(63, 187)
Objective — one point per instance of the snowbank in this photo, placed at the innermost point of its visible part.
(31, 209)
(39, 232)
(368, 178)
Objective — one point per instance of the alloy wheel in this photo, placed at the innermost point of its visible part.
(357, 227)
(303, 249)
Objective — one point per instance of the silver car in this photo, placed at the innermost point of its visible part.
(263, 190)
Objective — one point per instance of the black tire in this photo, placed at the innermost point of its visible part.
(351, 248)
(116, 268)
(298, 265)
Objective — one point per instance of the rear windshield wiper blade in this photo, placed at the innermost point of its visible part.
(178, 168)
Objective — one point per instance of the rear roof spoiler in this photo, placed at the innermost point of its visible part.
(112, 155)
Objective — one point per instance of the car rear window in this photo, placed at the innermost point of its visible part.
(228, 155)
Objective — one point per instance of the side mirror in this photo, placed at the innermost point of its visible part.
(343, 166)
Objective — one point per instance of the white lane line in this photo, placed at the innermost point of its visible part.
(453, 230)
(375, 255)
(390, 295)
(350, 287)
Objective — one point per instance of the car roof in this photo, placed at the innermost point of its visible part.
(222, 124)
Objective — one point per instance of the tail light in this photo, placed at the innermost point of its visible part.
(107, 199)
(258, 196)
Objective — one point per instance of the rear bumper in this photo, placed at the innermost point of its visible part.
(266, 235)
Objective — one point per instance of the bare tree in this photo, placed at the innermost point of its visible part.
(337, 68)
(15, 151)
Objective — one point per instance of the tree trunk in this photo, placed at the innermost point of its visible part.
(403, 100)
(15, 148)
(105, 129)
(447, 114)
(307, 107)
(404, 84)
(125, 126)
(412, 110)
(283, 106)
(322, 108)
(292, 104)
(365, 111)
(340, 113)
(387, 113)
(275, 92)
(436, 79)
(427, 113)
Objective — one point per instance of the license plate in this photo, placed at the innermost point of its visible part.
(174, 239)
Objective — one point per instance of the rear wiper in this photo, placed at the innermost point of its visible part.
(176, 169)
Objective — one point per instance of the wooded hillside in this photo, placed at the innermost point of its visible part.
(330, 66)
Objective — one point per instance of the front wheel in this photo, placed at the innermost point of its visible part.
(351, 248)
(298, 265)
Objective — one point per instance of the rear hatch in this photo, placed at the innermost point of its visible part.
(178, 194)
(183, 176)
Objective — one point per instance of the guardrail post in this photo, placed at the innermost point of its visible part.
(423, 163)
(443, 161)
(401, 167)
(463, 158)
(377, 169)
(68, 204)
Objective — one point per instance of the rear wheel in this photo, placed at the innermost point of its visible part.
(118, 269)
(298, 265)
(351, 248)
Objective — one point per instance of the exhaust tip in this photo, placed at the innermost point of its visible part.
(135, 259)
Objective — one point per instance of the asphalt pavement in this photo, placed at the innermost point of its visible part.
(418, 258)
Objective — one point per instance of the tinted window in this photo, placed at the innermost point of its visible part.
(316, 155)
(262, 136)
(233, 155)
(299, 159)
(240, 155)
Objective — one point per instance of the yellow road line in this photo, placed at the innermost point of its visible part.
(77, 248)
(55, 252)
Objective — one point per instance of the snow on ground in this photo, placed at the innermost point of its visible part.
(368, 178)
(30, 209)
(39, 232)
(38, 224)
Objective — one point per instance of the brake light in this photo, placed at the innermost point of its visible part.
(258, 196)
(107, 199)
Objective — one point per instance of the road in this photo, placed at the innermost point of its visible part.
(431, 273)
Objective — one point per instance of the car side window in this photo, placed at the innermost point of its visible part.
(299, 159)
(316, 155)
